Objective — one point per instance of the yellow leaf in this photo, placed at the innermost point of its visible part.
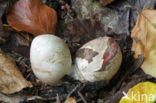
(144, 40)
(144, 92)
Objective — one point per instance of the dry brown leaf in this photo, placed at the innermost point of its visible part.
(144, 40)
(11, 80)
(70, 100)
(32, 16)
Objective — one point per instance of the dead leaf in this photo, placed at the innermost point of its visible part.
(83, 30)
(18, 43)
(79, 31)
(106, 2)
(17, 99)
(11, 80)
(143, 35)
(115, 19)
(3, 6)
(141, 93)
(70, 100)
(32, 16)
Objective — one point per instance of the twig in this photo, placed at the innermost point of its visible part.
(73, 91)
(140, 13)
(148, 4)
(137, 63)
(78, 100)
(83, 99)
(2, 39)
(49, 99)
(58, 99)
(28, 75)
(133, 7)
(139, 5)
(17, 99)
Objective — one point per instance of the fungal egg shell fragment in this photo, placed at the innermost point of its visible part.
(50, 58)
(98, 60)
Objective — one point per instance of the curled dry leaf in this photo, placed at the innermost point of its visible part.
(143, 35)
(144, 92)
(32, 16)
(11, 80)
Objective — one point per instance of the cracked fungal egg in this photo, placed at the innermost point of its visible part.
(97, 60)
(50, 58)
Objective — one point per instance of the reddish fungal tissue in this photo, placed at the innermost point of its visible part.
(111, 51)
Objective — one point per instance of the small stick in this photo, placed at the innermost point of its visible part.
(72, 91)
(58, 99)
(139, 5)
(148, 4)
(83, 99)
(50, 99)
(29, 70)
(28, 75)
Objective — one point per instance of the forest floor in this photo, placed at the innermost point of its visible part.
(120, 15)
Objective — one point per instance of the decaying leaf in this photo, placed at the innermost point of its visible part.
(11, 80)
(17, 99)
(18, 43)
(3, 6)
(106, 2)
(70, 100)
(144, 37)
(32, 16)
(112, 18)
(81, 31)
(144, 92)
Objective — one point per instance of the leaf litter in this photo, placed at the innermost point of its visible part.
(75, 29)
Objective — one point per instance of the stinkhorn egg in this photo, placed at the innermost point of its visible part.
(97, 60)
(50, 58)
